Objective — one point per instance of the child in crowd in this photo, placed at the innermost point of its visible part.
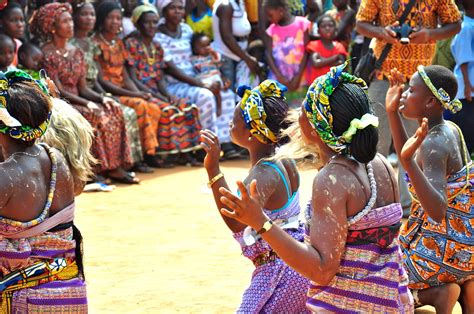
(30, 57)
(12, 24)
(345, 21)
(7, 53)
(258, 120)
(285, 46)
(437, 238)
(206, 62)
(199, 17)
(325, 52)
(463, 53)
(243, 75)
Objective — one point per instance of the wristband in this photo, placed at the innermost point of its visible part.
(219, 176)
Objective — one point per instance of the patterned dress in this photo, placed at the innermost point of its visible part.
(275, 287)
(130, 117)
(439, 253)
(178, 50)
(38, 271)
(179, 126)
(111, 144)
(371, 277)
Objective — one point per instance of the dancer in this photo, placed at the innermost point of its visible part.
(256, 125)
(41, 267)
(351, 254)
(437, 239)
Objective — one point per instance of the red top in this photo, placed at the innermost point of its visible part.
(318, 47)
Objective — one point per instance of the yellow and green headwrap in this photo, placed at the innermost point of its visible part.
(452, 105)
(8, 124)
(253, 111)
(318, 108)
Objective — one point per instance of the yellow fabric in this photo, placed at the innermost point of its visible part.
(204, 25)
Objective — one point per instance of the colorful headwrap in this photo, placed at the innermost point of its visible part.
(42, 21)
(142, 9)
(318, 108)
(452, 105)
(8, 124)
(253, 111)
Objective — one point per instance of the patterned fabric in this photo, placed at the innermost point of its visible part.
(47, 261)
(371, 277)
(253, 111)
(110, 144)
(129, 115)
(179, 126)
(318, 108)
(178, 50)
(275, 287)
(43, 20)
(425, 13)
(437, 253)
(452, 105)
(8, 124)
(208, 67)
(288, 46)
(112, 59)
(90, 55)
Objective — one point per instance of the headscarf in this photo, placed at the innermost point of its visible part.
(253, 111)
(42, 21)
(162, 4)
(142, 9)
(8, 124)
(318, 108)
(452, 105)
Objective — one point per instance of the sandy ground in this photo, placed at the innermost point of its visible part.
(161, 247)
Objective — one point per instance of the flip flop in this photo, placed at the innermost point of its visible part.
(128, 178)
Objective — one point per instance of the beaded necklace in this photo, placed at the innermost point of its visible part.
(150, 59)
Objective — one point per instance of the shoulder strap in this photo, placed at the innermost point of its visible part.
(463, 143)
(288, 191)
(388, 47)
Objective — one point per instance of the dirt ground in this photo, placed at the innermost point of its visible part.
(161, 247)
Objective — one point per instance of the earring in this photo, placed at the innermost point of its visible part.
(250, 138)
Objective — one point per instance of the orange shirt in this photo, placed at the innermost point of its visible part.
(425, 13)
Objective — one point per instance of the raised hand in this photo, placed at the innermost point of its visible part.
(210, 143)
(394, 93)
(414, 142)
(247, 208)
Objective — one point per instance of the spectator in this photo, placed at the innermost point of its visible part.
(325, 52)
(231, 33)
(285, 45)
(175, 38)
(84, 23)
(463, 53)
(7, 53)
(345, 21)
(12, 23)
(199, 17)
(178, 130)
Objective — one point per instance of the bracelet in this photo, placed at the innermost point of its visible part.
(266, 226)
(219, 176)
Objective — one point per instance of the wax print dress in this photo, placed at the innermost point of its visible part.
(179, 126)
(110, 144)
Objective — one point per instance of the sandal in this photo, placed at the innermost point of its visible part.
(155, 162)
(142, 167)
(128, 178)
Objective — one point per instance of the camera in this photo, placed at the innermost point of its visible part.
(403, 31)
